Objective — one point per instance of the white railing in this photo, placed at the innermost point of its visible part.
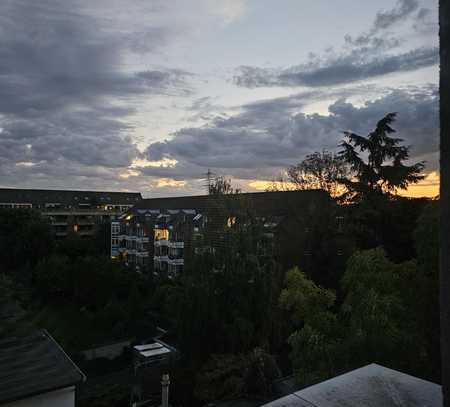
(176, 245)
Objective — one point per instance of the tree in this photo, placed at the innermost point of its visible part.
(381, 319)
(318, 171)
(314, 342)
(230, 376)
(25, 239)
(384, 172)
(444, 18)
(221, 186)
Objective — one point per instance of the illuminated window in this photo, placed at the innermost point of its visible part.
(75, 228)
(161, 234)
(231, 221)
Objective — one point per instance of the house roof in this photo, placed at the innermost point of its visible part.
(262, 203)
(39, 197)
(371, 386)
(32, 365)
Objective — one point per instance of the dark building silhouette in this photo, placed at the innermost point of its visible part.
(162, 234)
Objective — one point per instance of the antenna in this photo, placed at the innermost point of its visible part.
(210, 176)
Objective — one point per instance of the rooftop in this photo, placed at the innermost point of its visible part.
(39, 197)
(32, 365)
(262, 203)
(370, 386)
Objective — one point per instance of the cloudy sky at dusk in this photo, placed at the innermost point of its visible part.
(146, 95)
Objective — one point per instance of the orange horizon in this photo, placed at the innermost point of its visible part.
(427, 188)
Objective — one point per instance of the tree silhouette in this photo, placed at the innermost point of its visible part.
(318, 171)
(384, 172)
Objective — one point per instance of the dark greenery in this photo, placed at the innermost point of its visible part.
(384, 172)
(233, 376)
(81, 297)
(25, 238)
(389, 313)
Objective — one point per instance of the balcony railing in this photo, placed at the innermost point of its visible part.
(176, 262)
(161, 258)
(176, 245)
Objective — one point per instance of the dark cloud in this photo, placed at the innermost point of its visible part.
(62, 85)
(342, 70)
(372, 54)
(403, 9)
(270, 135)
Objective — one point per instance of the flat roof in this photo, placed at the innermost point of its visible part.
(32, 365)
(154, 352)
(370, 386)
(148, 346)
(66, 197)
(152, 349)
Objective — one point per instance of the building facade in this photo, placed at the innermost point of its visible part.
(79, 212)
(161, 235)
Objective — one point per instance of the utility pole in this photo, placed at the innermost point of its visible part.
(209, 180)
(444, 275)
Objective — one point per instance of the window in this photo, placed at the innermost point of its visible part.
(161, 234)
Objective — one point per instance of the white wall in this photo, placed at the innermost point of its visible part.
(58, 398)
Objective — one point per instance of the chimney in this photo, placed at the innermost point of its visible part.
(165, 390)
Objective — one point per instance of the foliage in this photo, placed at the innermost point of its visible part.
(231, 376)
(25, 238)
(377, 308)
(378, 320)
(386, 223)
(221, 186)
(109, 297)
(11, 311)
(304, 298)
(426, 237)
(313, 344)
(385, 171)
(318, 171)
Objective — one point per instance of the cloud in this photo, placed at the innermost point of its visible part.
(267, 136)
(371, 54)
(386, 19)
(64, 94)
(342, 70)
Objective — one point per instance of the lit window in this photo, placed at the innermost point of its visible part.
(161, 234)
(75, 228)
(231, 221)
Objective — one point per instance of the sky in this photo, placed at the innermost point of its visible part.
(148, 95)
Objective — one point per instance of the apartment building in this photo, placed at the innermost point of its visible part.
(80, 212)
(156, 239)
(161, 235)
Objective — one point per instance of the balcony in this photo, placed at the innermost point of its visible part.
(162, 242)
(176, 262)
(143, 239)
(161, 258)
(176, 245)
